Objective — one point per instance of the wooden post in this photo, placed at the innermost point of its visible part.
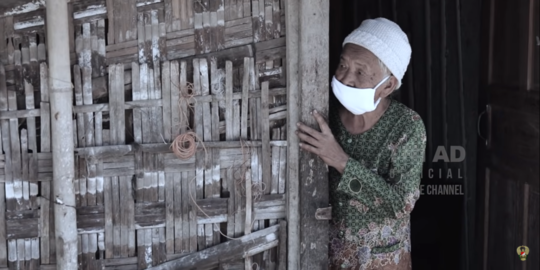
(61, 99)
(307, 81)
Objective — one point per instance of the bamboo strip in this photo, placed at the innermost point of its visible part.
(3, 248)
(248, 220)
(6, 115)
(14, 189)
(108, 203)
(229, 135)
(178, 239)
(79, 181)
(199, 129)
(32, 145)
(192, 221)
(45, 205)
(168, 101)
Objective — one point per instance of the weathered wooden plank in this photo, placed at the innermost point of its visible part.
(276, 19)
(185, 222)
(22, 228)
(292, 10)
(126, 215)
(25, 188)
(125, 21)
(245, 100)
(34, 257)
(247, 8)
(307, 55)
(275, 167)
(162, 246)
(3, 247)
(79, 181)
(255, 21)
(207, 136)
(82, 249)
(142, 261)
(255, 133)
(89, 134)
(249, 209)
(116, 216)
(175, 95)
(181, 229)
(265, 136)
(155, 246)
(15, 188)
(282, 246)
(45, 203)
(172, 14)
(20, 253)
(170, 211)
(32, 145)
(229, 135)
(108, 203)
(282, 167)
(12, 253)
(116, 102)
(167, 105)
(220, 28)
(199, 129)
(98, 121)
(246, 246)
(148, 247)
(190, 178)
(268, 20)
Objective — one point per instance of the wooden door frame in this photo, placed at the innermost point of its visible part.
(482, 225)
(307, 89)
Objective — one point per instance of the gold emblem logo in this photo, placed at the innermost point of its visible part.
(523, 252)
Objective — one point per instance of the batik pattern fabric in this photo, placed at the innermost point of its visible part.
(372, 200)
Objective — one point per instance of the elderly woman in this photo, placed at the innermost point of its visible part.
(375, 148)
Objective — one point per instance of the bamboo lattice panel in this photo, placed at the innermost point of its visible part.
(144, 72)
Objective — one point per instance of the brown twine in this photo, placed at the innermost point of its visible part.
(186, 100)
(184, 147)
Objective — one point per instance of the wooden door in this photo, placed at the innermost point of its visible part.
(509, 158)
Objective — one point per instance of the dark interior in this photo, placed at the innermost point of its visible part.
(466, 55)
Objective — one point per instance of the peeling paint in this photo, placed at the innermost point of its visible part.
(148, 255)
(36, 21)
(309, 179)
(90, 11)
(148, 2)
(28, 7)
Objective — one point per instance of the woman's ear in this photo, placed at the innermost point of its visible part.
(389, 87)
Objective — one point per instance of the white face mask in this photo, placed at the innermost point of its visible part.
(357, 100)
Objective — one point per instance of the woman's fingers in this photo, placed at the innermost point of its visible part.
(307, 138)
(322, 123)
(308, 130)
(309, 148)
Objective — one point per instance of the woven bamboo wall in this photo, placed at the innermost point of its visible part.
(143, 73)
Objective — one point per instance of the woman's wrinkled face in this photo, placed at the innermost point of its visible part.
(360, 68)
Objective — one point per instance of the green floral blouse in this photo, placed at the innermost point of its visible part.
(372, 200)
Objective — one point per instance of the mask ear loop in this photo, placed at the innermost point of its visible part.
(383, 81)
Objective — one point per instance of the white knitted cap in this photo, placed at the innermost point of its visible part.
(387, 41)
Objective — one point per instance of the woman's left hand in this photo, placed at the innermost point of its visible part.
(323, 143)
